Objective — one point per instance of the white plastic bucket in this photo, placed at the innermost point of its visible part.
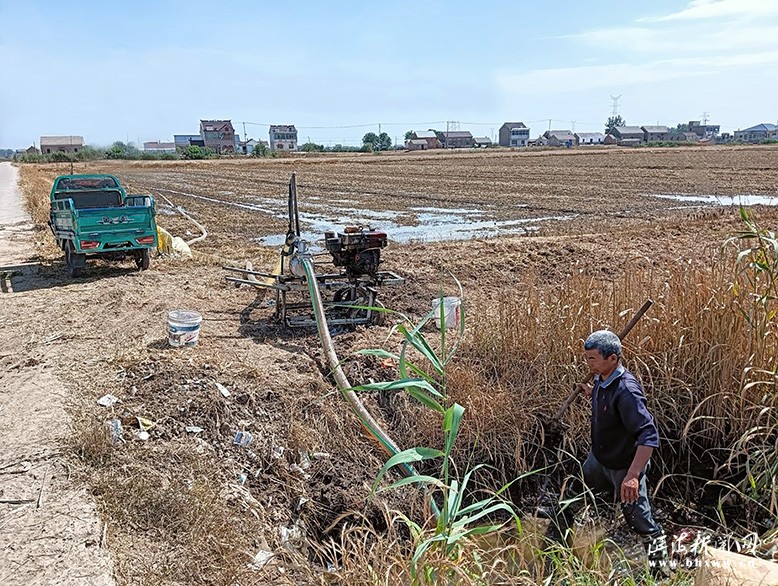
(183, 327)
(450, 311)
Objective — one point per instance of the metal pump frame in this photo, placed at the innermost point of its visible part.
(350, 299)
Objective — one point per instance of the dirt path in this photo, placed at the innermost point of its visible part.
(49, 529)
(15, 224)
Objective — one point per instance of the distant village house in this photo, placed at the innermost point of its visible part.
(283, 137)
(514, 134)
(159, 147)
(456, 139)
(675, 135)
(627, 132)
(589, 138)
(424, 140)
(704, 130)
(557, 138)
(756, 133)
(482, 142)
(247, 147)
(416, 144)
(61, 144)
(184, 141)
(624, 136)
(655, 133)
(218, 135)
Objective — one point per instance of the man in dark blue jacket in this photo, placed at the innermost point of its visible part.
(624, 436)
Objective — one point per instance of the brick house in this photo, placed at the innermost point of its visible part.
(218, 135)
(429, 137)
(514, 134)
(61, 144)
(416, 144)
(283, 137)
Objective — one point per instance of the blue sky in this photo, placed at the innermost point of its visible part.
(144, 70)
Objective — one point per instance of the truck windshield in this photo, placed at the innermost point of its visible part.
(91, 199)
(86, 183)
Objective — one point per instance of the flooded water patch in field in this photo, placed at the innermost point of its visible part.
(458, 211)
(418, 224)
(430, 226)
(721, 200)
(446, 230)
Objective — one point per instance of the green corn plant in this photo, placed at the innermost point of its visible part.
(456, 521)
(426, 386)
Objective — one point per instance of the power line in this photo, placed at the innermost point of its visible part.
(450, 124)
(316, 127)
(370, 125)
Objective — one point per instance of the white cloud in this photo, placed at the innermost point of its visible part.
(707, 9)
(732, 36)
(671, 66)
(563, 80)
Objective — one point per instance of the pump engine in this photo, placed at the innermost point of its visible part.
(357, 249)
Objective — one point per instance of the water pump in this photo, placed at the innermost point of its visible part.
(356, 249)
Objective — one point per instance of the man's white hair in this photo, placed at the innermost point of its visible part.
(605, 342)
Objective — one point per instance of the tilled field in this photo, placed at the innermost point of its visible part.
(557, 192)
(174, 502)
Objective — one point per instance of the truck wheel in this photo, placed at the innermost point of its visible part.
(143, 259)
(74, 262)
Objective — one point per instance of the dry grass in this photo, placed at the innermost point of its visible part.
(520, 554)
(179, 519)
(710, 377)
(35, 183)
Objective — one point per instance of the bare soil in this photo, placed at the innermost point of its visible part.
(49, 527)
(308, 464)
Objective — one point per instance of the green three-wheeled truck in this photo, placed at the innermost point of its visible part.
(93, 215)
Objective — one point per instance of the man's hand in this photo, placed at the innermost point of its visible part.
(631, 483)
(629, 489)
(585, 390)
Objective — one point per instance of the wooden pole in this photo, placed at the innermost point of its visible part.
(622, 334)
